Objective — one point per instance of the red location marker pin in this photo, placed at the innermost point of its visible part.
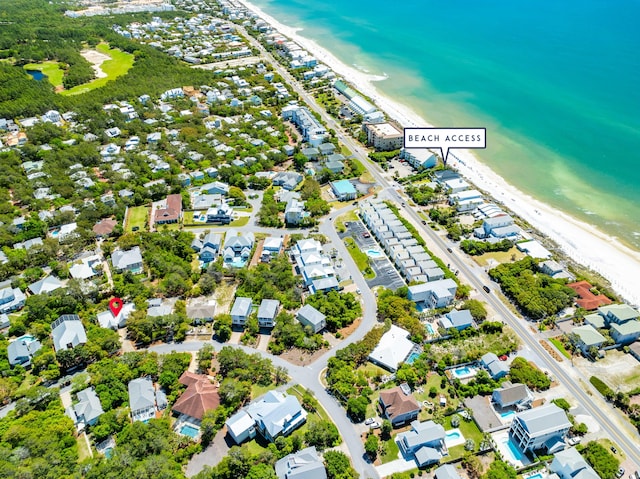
(115, 305)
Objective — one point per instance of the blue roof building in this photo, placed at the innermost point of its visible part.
(343, 190)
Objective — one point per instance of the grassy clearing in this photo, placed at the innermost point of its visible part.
(257, 390)
(137, 218)
(500, 256)
(560, 347)
(242, 221)
(119, 65)
(51, 69)
(83, 449)
(298, 391)
(342, 219)
(391, 451)
(361, 258)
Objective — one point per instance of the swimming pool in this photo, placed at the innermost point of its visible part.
(55, 233)
(508, 414)
(237, 263)
(537, 475)
(453, 437)
(412, 357)
(513, 454)
(190, 431)
(108, 452)
(430, 329)
(464, 372)
(374, 253)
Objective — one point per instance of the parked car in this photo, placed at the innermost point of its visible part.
(358, 291)
(375, 425)
(449, 250)
(424, 222)
(614, 450)
(369, 421)
(620, 472)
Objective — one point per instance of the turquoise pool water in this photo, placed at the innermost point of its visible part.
(453, 435)
(412, 357)
(430, 329)
(536, 476)
(55, 233)
(239, 263)
(513, 453)
(374, 253)
(507, 414)
(189, 431)
(108, 452)
(462, 372)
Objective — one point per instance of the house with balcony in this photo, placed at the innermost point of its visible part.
(424, 442)
(543, 428)
(241, 310)
(267, 312)
(398, 405)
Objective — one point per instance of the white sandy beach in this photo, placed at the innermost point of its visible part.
(580, 241)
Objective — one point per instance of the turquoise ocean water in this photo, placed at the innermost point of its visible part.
(556, 84)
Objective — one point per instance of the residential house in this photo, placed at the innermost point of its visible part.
(287, 180)
(311, 317)
(446, 471)
(435, 294)
(618, 313)
(634, 350)
(569, 464)
(398, 405)
(499, 226)
(555, 270)
(310, 153)
(512, 395)
(209, 247)
(200, 396)
(171, 212)
(45, 285)
(104, 227)
(424, 441)
(201, 310)
(156, 307)
(544, 427)
(21, 350)
(68, 332)
(294, 212)
(241, 426)
(106, 319)
(458, 319)
(392, 350)
(11, 299)
(588, 337)
(220, 214)
(304, 464)
(271, 246)
(267, 312)
(327, 149)
(28, 244)
(130, 260)
(586, 299)
(343, 190)
(276, 414)
(237, 246)
(86, 267)
(241, 310)
(215, 188)
(496, 368)
(626, 332)
(87, 410)
(142, 399)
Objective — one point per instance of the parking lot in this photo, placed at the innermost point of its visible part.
(386, 275)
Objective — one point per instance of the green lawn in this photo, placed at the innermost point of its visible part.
(560, 347)
(258, 390)
(361, 258)
(51, 69)
(242, 221)
(500, 256)
(469, 430)
(342, 219)
(119, 65)
(137, 217)
(392, 451)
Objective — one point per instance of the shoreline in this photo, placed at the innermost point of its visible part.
(580, 241)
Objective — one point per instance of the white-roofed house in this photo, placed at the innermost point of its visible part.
(87, 410)
(142, 399)
(436, 294)
(267, 312)
(310, 316)
(106, 319)
(459, 319)
(241, 310)
(45, 285)
(130, 260)
(393, 349)
(424, 441)
(241, 427)
(569, 464)
(544, 427)
(304, 464)
(21, 350)
(277, 414)
(68, 332)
